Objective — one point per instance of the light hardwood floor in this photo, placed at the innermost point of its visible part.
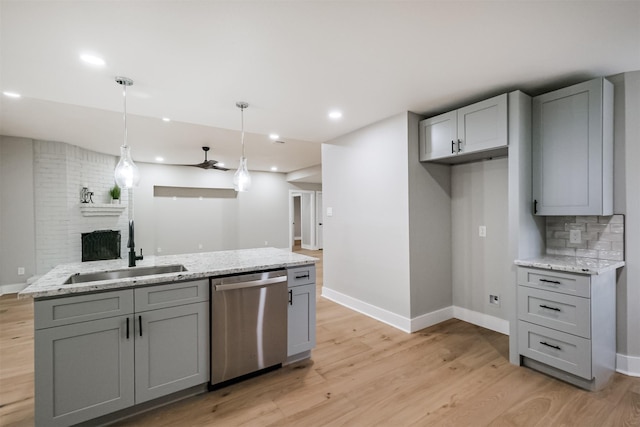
(362, 373)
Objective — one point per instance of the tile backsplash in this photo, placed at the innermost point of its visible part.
(602, 237)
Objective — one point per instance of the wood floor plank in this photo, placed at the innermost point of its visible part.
(362, 373)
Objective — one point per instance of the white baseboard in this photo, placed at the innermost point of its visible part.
(12, 288)
(430, 319)
(480, 319)
(628, 365)
(384, 316)
(422, 321)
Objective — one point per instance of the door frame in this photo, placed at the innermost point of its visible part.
(312, 218)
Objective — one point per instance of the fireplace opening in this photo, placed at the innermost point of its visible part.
(101, 245)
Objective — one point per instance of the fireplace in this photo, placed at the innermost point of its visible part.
(100, 245)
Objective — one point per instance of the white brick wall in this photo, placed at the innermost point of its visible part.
(60, 171)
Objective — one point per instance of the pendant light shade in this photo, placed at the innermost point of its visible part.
(242, 179)
(126, 173)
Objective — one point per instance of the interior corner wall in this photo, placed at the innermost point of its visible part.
(429, 229)
(366, 240)
(17, 237)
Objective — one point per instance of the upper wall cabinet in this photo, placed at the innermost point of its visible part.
(572, 144)
(476, 131)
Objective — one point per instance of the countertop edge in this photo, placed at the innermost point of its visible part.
(562, 265)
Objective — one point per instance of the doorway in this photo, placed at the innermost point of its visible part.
(302, 219)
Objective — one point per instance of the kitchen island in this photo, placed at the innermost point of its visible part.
(109, 347)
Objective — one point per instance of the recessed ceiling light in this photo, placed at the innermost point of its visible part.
(159, 159)
(92, 60)
(166, 119)
(274, 169)
(335, 114)
(274, 136)
(12, 94)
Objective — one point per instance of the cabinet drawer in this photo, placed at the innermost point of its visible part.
(558, 349)
(301, 275)
(82, 308)
(566, 283)
(566, 313)
(172, 294)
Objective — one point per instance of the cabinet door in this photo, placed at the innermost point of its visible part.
(483, 125)
(83, 371)
(572, 151)
(172, 350)
(301, 319)
(438, 136)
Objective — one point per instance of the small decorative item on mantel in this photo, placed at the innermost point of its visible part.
(86, 196)
(115, 194)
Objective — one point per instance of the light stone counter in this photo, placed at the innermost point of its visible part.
(199, 266)
(571, 264)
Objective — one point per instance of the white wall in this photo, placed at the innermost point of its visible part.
(183, 225)
(479, 196)
(17, 239)
(366, 241)
(384, 254)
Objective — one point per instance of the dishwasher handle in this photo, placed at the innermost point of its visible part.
(250, 284)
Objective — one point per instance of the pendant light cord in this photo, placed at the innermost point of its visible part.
(242, 127)
(124, 95)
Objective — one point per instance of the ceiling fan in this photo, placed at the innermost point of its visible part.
(208, 164)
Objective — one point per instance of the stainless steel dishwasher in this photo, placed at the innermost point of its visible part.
(248, 324)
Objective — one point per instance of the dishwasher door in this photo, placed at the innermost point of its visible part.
(248, 324)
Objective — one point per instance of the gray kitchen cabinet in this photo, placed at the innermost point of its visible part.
(572, 150)
(301, 318)
(105, 356)
(567, 325)
(475, 131)
(171, 338)
(83, 370)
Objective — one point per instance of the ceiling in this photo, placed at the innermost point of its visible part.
(292, 61)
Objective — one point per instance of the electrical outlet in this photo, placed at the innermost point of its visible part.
(199, 245)
(494, 300)
(482, 231)
(159, 250)
(266, 243)
(20, 271)
(575, 236)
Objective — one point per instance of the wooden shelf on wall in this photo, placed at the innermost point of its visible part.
(101, 209)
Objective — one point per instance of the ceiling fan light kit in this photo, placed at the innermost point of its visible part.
(242, 178)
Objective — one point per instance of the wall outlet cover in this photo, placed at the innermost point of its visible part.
(482, 231)
(575, 236)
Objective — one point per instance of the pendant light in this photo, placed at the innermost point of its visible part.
(126, 173)
(242, 179)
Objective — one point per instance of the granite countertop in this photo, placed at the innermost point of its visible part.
(198, 265)
(571, 264)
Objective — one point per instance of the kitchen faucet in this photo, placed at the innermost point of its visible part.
(132, 247)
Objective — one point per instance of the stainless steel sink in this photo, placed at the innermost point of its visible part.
(124, 273)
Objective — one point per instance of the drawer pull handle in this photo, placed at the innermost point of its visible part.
(555, 282)
(304, 276)
(140, 324)
(549, 308)
(290, 297)
(127, 327)
(452, 145)
(557, 347)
